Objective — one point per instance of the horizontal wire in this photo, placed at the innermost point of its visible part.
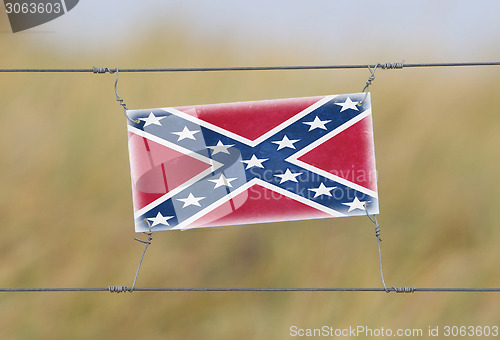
(249, 68)
(125, 289)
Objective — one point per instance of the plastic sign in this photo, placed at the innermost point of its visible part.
(252, 162)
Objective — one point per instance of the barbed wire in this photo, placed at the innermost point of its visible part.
(122, 289)
(397, 65)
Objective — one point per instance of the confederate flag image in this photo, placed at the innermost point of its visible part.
(252, 162)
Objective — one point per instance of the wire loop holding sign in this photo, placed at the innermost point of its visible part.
(368, 83)
(122, 289)
(385, 66)
(118, 98)
(373, 218)
(377, 235)
(147, 242)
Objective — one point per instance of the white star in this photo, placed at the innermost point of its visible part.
(254, 161)
(151, 120)
(317, 124)
(356, 204)
(286, 143)
(348, 104)
(222, 181)
(191, 200)
(160, 219)
(186, 133)
(289, 176)
(322, 190)
(220, 148)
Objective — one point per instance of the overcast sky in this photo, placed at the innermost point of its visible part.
(441, 30)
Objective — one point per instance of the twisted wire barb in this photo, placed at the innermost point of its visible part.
(118, 289)
(392, 66)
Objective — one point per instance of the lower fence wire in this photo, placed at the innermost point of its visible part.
(123, 289)
(119, 289)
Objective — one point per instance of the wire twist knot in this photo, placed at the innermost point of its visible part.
(402, 289)
(391, 66)
(103, 70)
(118, 289)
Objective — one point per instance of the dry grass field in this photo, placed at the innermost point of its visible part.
(66, 206)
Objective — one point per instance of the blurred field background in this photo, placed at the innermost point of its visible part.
(66, 206)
